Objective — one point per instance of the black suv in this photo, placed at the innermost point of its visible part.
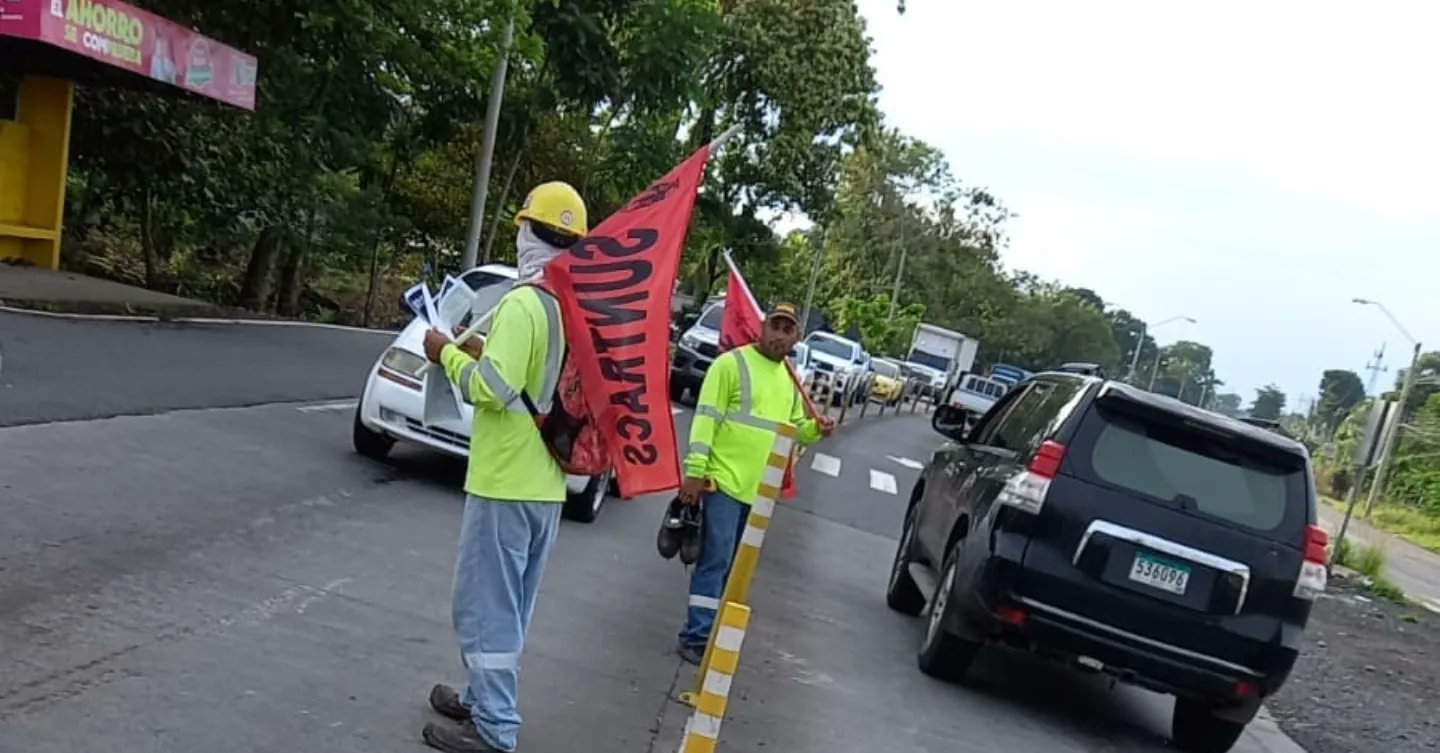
(1119, 531)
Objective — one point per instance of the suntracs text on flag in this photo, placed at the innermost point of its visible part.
(615, 287)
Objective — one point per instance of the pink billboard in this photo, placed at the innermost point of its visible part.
(132, 39)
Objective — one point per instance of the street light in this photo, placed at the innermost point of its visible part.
(1387, 445)
(1139, 346)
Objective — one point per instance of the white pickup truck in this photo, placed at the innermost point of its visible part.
(976, 395)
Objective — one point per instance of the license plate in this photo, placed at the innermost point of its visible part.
(1157, 573)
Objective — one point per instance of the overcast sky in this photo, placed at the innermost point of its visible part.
(1254, 165)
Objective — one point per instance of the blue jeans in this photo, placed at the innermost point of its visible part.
(503, 549)
(724, 518)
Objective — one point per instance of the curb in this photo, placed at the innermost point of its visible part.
(196, 314)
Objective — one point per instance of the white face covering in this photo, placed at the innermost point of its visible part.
(531, 253)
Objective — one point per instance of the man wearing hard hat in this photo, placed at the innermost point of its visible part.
(514, 489)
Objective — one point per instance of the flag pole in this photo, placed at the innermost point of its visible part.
(724, 136)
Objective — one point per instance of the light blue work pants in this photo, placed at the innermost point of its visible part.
(503, 549)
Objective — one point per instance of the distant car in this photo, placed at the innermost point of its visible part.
(931, 380)
(696, 350)
(976, 394)
(392, 407)
(888, 384)
(841, 361)
(1121, 532)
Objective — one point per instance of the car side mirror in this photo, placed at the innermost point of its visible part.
(950, 422)
(687, 321)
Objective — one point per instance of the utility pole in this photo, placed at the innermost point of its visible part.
(899, 270)
(1375, 366)
(1388, 447)
(487, 148)
(817, 237)
(1155, 371)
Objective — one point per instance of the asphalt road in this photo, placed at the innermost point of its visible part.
(56, 369)
(239, 580)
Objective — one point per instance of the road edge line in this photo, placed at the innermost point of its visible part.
(153, 319)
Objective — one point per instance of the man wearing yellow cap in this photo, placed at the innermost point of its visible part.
(514, 489)
(746, 394)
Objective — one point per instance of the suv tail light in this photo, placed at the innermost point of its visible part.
(1313, 577)
(1026, 490)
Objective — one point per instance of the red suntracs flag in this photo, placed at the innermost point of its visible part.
(740, 324)
(614, 287)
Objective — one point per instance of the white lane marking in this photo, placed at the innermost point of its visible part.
(324, 407)
(1432, 605)
(881, 481)
(907, 462)
(826, 464)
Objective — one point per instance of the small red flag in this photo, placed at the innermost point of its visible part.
(614, 287)
(740, 324)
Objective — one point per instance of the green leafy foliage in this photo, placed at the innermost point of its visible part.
(353, 176)
(1269, 403)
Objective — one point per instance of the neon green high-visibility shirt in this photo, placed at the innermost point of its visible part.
(508, 460)
(744, 396)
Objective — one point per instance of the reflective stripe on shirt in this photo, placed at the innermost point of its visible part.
(743, 415)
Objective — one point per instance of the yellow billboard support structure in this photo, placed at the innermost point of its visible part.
(747, 557)
(702, 731)
(34, 160)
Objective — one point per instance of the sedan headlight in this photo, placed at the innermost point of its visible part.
(403, 362)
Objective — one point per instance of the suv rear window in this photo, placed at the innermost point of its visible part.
(1191, 470)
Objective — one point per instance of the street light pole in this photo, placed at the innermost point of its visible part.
(487, 148)
(1135, 357)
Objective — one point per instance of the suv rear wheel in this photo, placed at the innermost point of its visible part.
(902, 595)
(1196, 729)
(944, 655)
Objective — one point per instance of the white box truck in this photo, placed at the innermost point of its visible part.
(943, 349)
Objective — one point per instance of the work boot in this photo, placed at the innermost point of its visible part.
(672, 528)
(457, 738)
(446, 702)
(692, 537)
(692, 654)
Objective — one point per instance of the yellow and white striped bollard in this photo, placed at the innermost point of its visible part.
(702, 732)
(747, 557)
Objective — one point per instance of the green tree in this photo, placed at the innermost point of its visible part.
(1269, 403)
(1227, 403)
(1340, 390)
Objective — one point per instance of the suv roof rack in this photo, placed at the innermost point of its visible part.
(1082, 367)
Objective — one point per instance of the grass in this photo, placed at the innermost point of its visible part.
(1369, 561)
(1410, 524)
(1416, 527)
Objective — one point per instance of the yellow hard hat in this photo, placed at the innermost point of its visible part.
(557, 206)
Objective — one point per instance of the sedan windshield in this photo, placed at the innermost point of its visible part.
(487, 288)
(832, 347)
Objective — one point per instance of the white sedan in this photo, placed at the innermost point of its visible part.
(392, 407)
